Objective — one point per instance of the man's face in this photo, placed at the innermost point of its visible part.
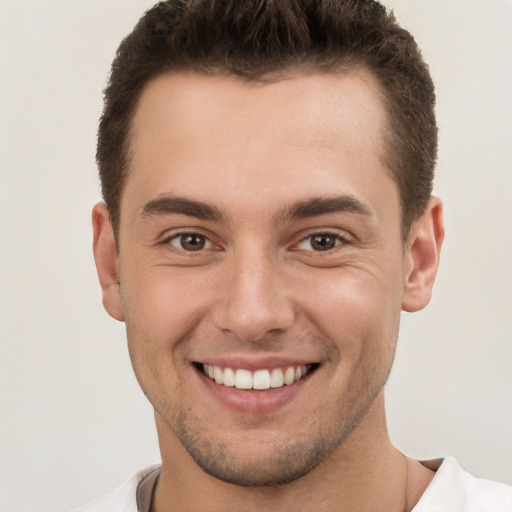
(260, 231)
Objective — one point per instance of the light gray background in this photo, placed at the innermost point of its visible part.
(74, 422)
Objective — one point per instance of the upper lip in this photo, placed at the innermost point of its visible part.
(255, 363)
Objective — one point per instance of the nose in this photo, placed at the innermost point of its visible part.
(254, 298)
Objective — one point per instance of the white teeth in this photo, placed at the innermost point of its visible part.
(261, 379)
(300, 372)
(289, 376)
(276, 379)
(243, 379)
(229, 377)
(218, 375)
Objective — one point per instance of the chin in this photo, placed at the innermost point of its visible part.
(279, 467)
(259, 459)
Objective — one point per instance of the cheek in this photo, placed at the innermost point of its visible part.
(161, 309)
(163, 302)
(357, 309)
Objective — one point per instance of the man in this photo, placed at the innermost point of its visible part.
(267, 172)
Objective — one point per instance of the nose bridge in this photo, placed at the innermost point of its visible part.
(255, 301)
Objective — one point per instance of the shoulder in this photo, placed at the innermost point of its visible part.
(122, 499)
(455, 490)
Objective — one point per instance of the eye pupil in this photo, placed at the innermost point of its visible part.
(323, 242)
(192, 242)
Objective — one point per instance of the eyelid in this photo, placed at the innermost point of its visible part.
(172, 234)
(341, 235)
(208, 242)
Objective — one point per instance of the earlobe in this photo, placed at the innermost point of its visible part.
(422, 256)
(105, 256)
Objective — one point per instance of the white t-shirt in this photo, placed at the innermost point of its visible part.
(451, 490)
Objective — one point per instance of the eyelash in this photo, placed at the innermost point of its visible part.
(327, 236)
(178, 239)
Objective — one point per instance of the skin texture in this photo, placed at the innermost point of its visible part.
(260, 294)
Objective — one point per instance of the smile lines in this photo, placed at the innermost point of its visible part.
(260, 379)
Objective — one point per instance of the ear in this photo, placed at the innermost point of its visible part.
(422, 256)
(107, 261)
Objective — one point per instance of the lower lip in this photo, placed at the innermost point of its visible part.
(253, 401)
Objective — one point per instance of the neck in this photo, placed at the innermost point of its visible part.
(365, 473)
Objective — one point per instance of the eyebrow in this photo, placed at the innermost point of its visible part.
(169, 205)
(172, 205)
(322, 206)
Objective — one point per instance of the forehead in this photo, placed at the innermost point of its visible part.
(198, 135)
(310, 104)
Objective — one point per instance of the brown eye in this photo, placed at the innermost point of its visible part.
(323, 242)
(193, 242)
(190, 242)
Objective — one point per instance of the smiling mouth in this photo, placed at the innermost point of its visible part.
(260, 379)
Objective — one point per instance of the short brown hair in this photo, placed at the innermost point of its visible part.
(257, 39)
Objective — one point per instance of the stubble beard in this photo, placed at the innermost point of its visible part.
(284, 462)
